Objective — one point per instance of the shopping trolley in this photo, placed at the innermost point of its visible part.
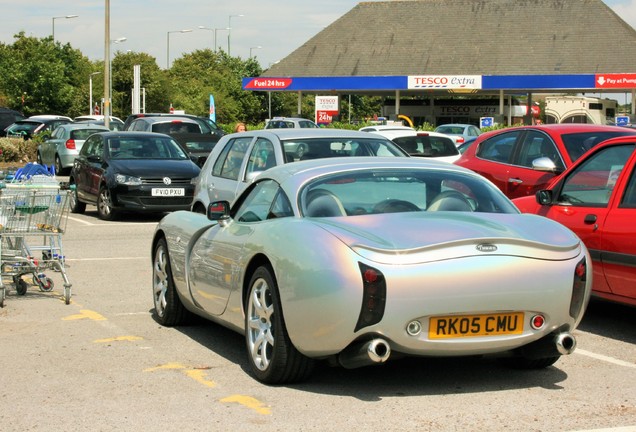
(33, 217)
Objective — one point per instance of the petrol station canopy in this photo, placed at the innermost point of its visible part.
(437, 47)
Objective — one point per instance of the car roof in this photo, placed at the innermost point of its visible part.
(124, 134)
(95, 117)
(463, 125)
(300, 133)
(49, 117)
(167, 119)
(83, 125)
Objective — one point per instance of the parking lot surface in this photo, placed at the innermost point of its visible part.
(103, 363)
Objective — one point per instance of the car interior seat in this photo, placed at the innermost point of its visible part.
(450, 200)
(322, 203)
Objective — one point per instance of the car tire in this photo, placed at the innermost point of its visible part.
(74, 203)
(59, 170)
(529, 363)
(105, 209)
(272, 357)
(169, 311)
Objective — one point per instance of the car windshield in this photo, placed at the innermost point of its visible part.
(427, 146)
(390, 191)
(318, 148)
(578, 143)
(144, 148)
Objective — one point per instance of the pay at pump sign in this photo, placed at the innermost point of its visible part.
(326, 108)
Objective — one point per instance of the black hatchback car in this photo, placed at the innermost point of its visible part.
(132, 171)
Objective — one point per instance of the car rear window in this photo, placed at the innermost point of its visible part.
(427, 146)
(318, 148)
(578, 143)
(176, 127)
(82, 134)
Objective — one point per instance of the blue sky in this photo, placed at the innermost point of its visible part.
(278, 27)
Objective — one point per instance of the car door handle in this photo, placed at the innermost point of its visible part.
(590, 219)
(515, 180)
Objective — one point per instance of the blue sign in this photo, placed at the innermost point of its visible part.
(485, 122)
(622, 120)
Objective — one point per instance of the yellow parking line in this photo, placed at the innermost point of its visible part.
(85, 314)
(249, 402)
(119, 338)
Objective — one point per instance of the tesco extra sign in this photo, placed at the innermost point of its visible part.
(444, 81)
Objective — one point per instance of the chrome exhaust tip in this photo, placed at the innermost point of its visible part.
(565, 343)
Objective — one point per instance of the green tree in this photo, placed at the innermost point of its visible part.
(39, 76)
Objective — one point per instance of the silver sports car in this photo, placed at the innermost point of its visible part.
(362, 259)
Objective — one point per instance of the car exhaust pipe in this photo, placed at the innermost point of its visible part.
(375, 351)
(555, 344)
(565, 343)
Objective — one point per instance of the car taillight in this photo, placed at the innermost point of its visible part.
(70, 144)
(578, 288)
(460, 140)
(373, 297)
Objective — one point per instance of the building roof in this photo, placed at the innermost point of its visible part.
(481, 37)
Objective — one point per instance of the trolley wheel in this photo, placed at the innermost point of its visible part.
(2, 295)
(67, 294)
(20, 286)
(46, 285)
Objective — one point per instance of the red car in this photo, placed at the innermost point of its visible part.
(596, 198)
(522, 160)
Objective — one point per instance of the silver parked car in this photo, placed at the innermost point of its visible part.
(238, 158)
(64, 145)
(289, 123)
(356, 260)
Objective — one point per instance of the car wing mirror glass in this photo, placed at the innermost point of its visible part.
(218, 210)
(544, 197)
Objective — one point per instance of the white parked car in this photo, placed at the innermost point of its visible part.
(421, 143)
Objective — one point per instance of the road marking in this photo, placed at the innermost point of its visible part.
(102, 224)
(605, 358)
(80, 221)
(197, 374)
(85, 314)
(119, 338)
(249, 402)
(104, 259)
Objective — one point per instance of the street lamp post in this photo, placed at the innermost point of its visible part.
(253, 48)
(110, 72)
(229, 30)
(58, 17)
(90, 92)
(168, 44)
(215, 30)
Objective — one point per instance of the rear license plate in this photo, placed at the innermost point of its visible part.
(458, 326)
(163, 192)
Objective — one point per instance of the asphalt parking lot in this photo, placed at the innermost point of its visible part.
(102, 363)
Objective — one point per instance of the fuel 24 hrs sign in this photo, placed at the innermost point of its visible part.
(326, 108)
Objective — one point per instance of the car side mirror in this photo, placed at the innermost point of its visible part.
(544, 197)
(218, 210)
(94, 158)
(544, 164)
